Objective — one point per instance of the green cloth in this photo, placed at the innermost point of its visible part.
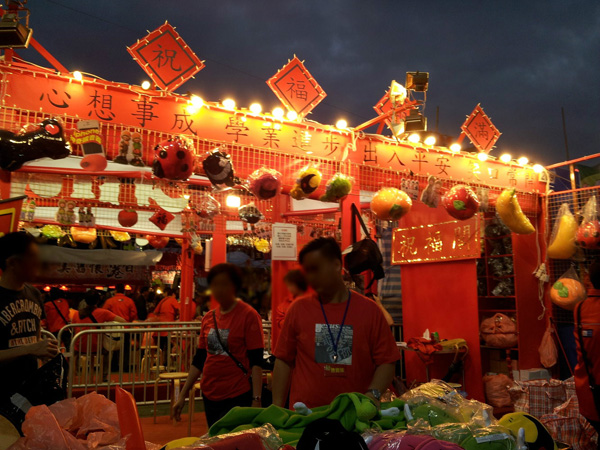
(354, 411)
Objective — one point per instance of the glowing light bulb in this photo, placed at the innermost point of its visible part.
(196, 101)
(255, 108)
(538, 168)
(455, 147)
(233, 201)
(278, 113)
(146, 85)
(414, 138)
(186, 196)
(229, 103)
(292, 115)
(341, 124)
(78, 75)
(506, 158)
(429, 140)
(523, 160)
(481, 156)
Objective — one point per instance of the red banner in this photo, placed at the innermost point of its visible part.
(458, 239)
(93, 273)
(480, 130)
(10, 211)
(166, 58)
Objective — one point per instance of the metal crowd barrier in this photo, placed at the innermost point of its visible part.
(129, 355)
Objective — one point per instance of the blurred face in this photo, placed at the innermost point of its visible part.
(223, 289)
(26, 267)
(322, 273)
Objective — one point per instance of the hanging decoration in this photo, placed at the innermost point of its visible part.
(206, 206)
(411, 187)
(511, 214)
(52, 232)
(562, 241)
(66, 212)
(86, 217)
(588, 233)
(250, 213)
(219, 169)
(127, 217)
(47, 140)
(88, 136)
(568, 290)
(461, 202)
(120, 236)
(262, 245)
(337, 188)
(390, 204)
(431, 195)
(265, 183)
(124, 144)
(480, 130)
(308, 181)
(173, 159)
(161, 218)
(157, 242)
(84, 235)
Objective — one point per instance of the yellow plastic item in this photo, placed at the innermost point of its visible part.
(509, 210)
(183, 442)
(563, 246)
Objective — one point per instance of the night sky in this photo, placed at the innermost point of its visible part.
(522, 60)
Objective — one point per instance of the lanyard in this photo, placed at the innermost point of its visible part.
(335, 342)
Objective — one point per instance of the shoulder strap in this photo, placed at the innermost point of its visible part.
(233, 358)
(586, 362)
(60, 313)
(357, 216)
(92, 318)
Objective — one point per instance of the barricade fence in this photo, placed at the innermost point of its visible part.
(129, 355)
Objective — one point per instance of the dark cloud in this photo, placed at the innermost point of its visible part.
(521, 60)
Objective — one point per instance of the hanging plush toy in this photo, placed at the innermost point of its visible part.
(157, 241)
(45, 141)
(250, 213)
(390, 204)
(206, 206)
(337, 188)
(219, 169)
(461, 202)
(509, 210)
(173, 159)
(307, 182)
(265, 183)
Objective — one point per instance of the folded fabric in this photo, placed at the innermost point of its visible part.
(354, 411)
(424, 348)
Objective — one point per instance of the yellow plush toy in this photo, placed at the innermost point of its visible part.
(562, 243)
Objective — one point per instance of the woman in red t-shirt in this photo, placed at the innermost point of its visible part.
(230, 350)
(296, 284)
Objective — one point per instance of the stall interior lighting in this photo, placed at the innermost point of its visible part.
(506, 158)
(292, 115)
(128, 288)
(523, 160)
(47, 288)
(146, 85)
(455, 147)
(233, 201)
(481, 156)
(78, 75)
(64, 288)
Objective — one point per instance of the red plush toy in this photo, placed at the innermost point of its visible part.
(461, 202)
(173, 159)
(157, 241)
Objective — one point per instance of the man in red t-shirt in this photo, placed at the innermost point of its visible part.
(334, 341)
(121, 305)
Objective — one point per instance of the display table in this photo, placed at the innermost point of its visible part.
(462, 349)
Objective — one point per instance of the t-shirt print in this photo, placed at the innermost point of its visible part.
(324, 352)
(213, 345)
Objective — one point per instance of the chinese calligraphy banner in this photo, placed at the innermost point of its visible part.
(57, 273)
(480, 130)
(166, 58)
(296, 88)
(437, 242)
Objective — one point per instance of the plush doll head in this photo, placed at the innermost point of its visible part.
(173, 159)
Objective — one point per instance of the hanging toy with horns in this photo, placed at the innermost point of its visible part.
(219, 169)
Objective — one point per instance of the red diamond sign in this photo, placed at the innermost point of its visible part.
(480, 130)
(296, 88)
(166, 58)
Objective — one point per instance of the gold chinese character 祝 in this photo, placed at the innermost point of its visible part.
(434, 242)
(407, 246)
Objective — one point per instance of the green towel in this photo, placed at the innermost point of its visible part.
(354, 411)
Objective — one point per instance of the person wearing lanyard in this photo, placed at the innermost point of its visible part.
(334, 341)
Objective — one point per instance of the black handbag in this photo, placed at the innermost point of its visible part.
(365, 254)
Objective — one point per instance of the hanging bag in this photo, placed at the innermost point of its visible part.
(365, 254)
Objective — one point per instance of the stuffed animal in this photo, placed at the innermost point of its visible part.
(45, 141)
(265, 183)
(219, 168)
(173, 159)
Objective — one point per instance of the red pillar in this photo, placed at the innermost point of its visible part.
(4, 184)
(186, 294)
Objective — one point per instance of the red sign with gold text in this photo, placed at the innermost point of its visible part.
(457, 239)
(296, 88)
(480, 130)
(166, 58)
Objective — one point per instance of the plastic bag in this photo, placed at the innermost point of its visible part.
(496, 390)
(499, 331)
(308, 181)
(568, 290)
(548, 350)
(401, 441)
(562, 242)
(588, 233)
(337, 188)
(260, 438)
(265, 183)
(490, 438)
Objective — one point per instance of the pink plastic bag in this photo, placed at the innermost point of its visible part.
(548, 350)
